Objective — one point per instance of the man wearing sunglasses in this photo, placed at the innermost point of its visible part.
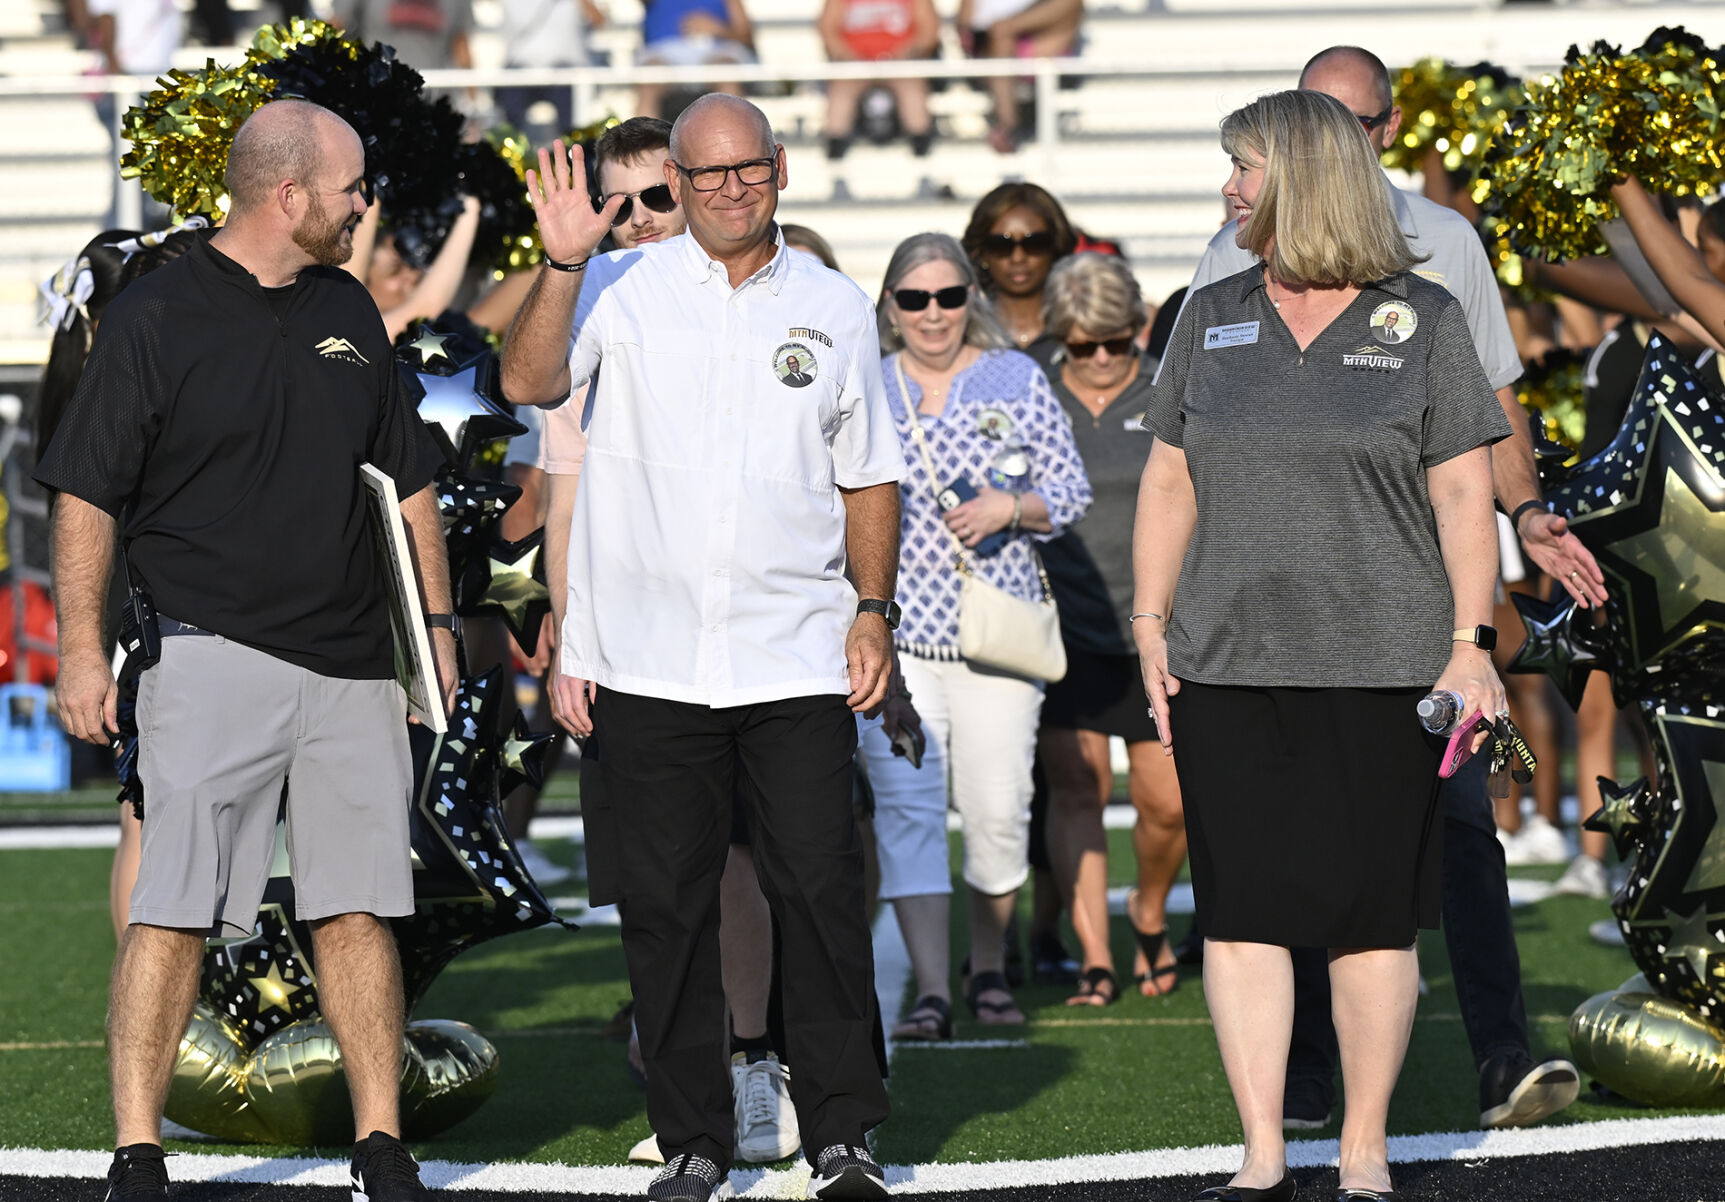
(711, 639)
(1514, 1090)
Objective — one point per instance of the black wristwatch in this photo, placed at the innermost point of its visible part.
(1484, 636)
(886, 609)
(449, 622)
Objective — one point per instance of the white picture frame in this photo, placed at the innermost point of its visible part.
(415, 666)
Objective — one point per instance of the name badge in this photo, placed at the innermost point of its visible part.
(1243, 333)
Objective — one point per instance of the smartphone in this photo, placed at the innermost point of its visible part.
(1460, 749)
(956, 494)
(910, 742)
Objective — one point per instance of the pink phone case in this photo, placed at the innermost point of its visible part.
(1460, 749)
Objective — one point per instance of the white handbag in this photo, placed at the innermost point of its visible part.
(996, 629)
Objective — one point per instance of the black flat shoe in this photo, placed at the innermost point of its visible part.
(1282, 1191)
(1366, 1195)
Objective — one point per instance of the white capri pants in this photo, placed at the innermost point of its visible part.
(981, 724)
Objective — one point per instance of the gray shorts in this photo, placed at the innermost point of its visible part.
(231, 738)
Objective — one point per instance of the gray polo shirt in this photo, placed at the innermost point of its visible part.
(1090, 565)
(1456, 260)
(1315, 559)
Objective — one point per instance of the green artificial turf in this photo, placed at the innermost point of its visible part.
(1140, 1074)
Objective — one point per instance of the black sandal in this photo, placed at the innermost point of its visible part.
(929, 1021)
(990, 1012)
(1151, 944)
(1097, 987)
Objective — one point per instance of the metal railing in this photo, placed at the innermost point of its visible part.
(586, 83)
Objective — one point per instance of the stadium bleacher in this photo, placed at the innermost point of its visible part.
(1135, 156)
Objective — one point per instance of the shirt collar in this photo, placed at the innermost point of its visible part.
(1253, 281)
(701, 265)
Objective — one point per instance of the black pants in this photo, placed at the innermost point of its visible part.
(1478, 931)
(670, 771)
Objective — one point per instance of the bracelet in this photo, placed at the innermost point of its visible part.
(1158, 617)
(1017, 511)
(1515, 518)
(570, 267)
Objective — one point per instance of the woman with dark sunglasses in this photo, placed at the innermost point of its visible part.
(1016, 234)
(1095, 311)
(1005, 473)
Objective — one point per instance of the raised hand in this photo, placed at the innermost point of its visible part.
(569, 228)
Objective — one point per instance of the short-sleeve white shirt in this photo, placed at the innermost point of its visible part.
(707, 543)
(1456, 259)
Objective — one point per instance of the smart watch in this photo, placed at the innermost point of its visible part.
(449, 622)
(886, 609)
(1484, 636)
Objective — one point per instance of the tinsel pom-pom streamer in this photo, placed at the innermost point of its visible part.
(181, 132)
(501, 225)
(1453, 110)
(1653, 113)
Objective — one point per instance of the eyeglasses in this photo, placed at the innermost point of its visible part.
(658, 198)
(1002, 245)
(1372, 123)
(751, 173)
(1116, 347)
(915, 300)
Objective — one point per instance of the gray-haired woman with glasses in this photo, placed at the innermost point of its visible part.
(1005, 472)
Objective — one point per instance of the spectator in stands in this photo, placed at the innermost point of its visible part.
(992, 425)
(1321, 837)
(544, 33)
(1015, 29)
(133, 37)
(1095, 311)
(405, 293)
(801, 237)
(690, 33)
(1017, 232)
(427, 34)
(76, 297)
(878, 31)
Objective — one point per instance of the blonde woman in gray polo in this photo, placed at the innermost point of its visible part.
(1302, 450)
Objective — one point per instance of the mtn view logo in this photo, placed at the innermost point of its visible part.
(341, 348)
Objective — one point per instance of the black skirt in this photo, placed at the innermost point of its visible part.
(1311, 814)
(1103, 693)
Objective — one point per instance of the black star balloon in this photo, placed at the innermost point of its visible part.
(470, 506)
(460, 412)
(521, 759)
(508, 582)
(1623, 814)
(1651, 507)
(1561, 642)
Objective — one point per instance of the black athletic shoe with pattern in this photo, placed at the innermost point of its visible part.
(846, 1171)
(384, 1171)
(138, 1171)
(690, 1178)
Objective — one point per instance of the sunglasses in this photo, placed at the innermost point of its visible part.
(915, 300)
(1372, 123)
(658, 198)
(1039, 243)
(1116, 347)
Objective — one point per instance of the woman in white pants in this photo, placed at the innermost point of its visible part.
(1005, 474)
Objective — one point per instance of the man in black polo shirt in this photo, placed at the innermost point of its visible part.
(227, 405)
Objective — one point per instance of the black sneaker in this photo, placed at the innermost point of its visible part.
(138, 1171)
(846, 1171)
(1305, 1107)
(690, 1178)
(384, 1171)
(1514, 1091)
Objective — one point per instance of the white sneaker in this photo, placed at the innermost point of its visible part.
(1585, 877)
(647, 1151)
(766, 1120)
(1606, 933)
(1537, 842)
(541, 867)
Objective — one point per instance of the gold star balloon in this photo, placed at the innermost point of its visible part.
(1623, 813)
(508, 582)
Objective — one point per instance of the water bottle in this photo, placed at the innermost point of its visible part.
(1009, 470)
(1440, 711)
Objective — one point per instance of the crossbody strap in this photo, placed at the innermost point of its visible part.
(916, 432)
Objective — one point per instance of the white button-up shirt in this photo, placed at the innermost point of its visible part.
(707, 546)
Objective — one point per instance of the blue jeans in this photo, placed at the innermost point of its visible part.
(1478, 932)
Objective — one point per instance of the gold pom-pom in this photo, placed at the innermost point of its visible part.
(274, 41)
(1653, 113)
(514, 147)
(1453, 110)
(181, 132)
(1555, 389)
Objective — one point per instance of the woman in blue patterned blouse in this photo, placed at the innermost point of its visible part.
(998, 437)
